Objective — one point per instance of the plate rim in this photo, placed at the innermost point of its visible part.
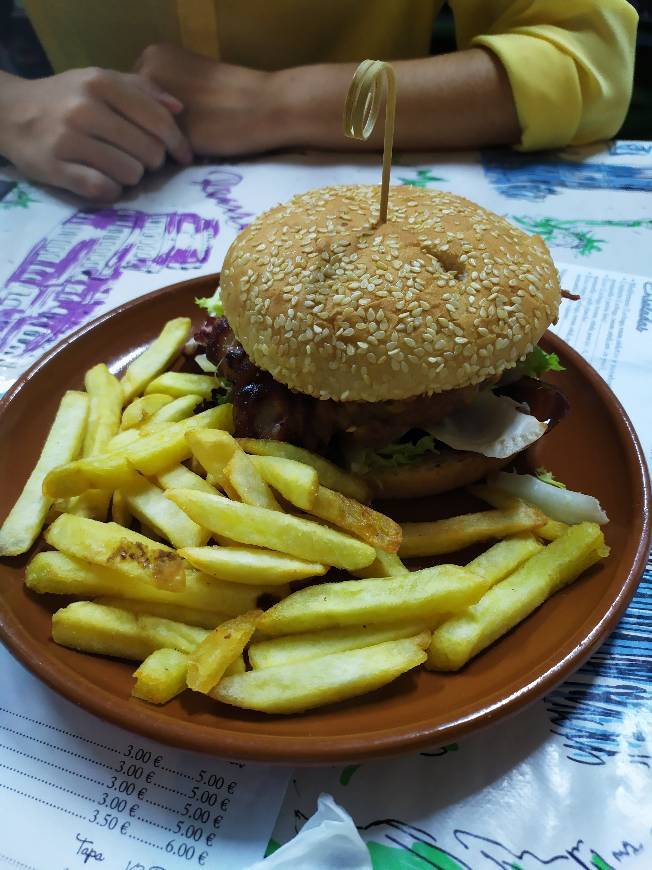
(283, 749)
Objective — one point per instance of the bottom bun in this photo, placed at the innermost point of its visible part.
(431, 475)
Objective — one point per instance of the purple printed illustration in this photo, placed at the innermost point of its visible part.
(217, 186)
(70, 273)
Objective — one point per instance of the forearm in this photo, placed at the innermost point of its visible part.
(460, 100)
(10, 88)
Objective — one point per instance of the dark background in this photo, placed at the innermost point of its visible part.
(21, 54)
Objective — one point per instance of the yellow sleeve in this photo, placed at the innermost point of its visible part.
(570, 63)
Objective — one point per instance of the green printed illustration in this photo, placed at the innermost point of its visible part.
(600, 863)
(272, 846)
(18, 196)
(422, 178)
(576, 234)
(396, 845)
(419, 857)
(347, 773)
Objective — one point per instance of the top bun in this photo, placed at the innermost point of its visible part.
(444, 295)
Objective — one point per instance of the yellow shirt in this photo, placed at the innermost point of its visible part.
(570, 62)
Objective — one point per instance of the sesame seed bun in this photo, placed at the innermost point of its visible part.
(444, 295)
(432, 475)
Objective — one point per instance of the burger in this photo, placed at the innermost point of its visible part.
(405, 351)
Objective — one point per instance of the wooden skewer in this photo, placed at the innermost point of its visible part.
(372, 80)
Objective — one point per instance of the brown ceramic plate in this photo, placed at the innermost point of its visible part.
(594, 450)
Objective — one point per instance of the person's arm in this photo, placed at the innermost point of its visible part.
(460, 100)
(570, 64)
(89, 131)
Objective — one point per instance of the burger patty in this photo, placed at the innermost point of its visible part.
(264, 408)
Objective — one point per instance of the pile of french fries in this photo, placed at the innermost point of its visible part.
(201, 595)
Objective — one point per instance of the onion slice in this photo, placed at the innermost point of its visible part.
(205, 364)
(491, 425)
(563, 505)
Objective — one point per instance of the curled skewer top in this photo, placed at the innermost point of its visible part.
(372, 80)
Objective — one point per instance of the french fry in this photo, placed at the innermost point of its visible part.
(161, 676)
(103, 423)
(156, 358)
(127, 436)
(141, 410)
(260, 527)
(498, 498)
(25, 520)
(509, 602)
(120, 513)
(108, 471)
(169, 633)
(384, 565)
(250, 565)
(214, 449)
(551, 530)
(208, 619)
(177, 384)
(503, 558)
(209, 661)
(330, 475)
(446, 536)
(58, 574)
(110, 631)
(295, 481)
(128, 553)
(329, 505)
(149, 505)
(105, 395)
(152, 449)
(159, 450)
(177, 410)
(296, 687)
(237, 666)
(313, 645)
(248, 483)
(369, 525)
(180, 477)
(421, 596)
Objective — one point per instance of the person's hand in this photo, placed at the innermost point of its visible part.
(90, 131)
(228, 110)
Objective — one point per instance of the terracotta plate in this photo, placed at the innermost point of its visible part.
(594, 450)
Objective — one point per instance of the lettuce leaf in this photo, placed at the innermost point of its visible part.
(393, 455)
(224, 393)
(211, 304)
(537, 362)
(546, 476)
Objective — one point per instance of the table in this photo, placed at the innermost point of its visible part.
(567, 782)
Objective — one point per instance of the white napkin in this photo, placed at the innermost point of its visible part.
(328, 841)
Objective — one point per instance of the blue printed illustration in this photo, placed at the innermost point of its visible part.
(598, 712)
(69, 274)
(644, 319)
(517, 176)
(629, 146)
(577, 234)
